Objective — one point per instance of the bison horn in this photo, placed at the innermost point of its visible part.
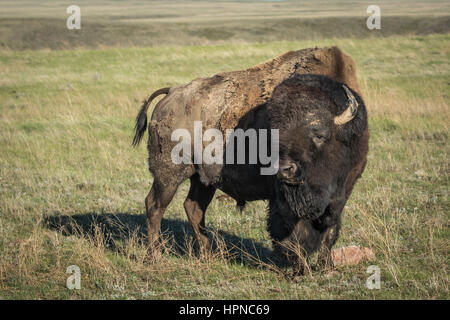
(350, 112)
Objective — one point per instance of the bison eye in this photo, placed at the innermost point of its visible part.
(318, 140)
(319, 135)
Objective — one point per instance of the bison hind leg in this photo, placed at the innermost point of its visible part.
(195, 205)
(156, 202)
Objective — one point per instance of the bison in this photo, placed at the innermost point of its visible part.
(311, 97)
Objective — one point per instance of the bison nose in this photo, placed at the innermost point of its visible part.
(287, 170)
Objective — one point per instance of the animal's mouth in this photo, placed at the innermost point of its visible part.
(291, 181)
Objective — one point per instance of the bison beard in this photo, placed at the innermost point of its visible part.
(301, 201)
(290, 204)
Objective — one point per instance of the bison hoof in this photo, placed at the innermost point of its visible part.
(154, 253)
(325, 265)
(205, 253)
(299, 270)
(296, 275)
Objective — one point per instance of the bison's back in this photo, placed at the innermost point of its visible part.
(222, 100)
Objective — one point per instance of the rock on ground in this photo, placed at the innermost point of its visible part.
(351, 255)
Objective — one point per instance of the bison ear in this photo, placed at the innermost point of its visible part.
(352, 122)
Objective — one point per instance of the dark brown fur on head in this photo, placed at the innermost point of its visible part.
(303, 108)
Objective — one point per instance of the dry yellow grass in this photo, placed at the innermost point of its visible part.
(65, 131)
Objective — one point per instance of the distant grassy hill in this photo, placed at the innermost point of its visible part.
(37, 25)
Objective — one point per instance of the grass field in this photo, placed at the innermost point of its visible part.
(72, 188)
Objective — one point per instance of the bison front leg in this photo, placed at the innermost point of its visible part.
(330, 223)
(298, 246)
(306, 240)
(293, 238)
(195, 205)
(324, 259)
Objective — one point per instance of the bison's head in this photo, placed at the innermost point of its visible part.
(318, 120)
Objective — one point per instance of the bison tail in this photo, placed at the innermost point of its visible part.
(141, 119)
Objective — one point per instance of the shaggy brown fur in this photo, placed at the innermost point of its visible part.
(254, 86)
(246, 99)
(220, 101)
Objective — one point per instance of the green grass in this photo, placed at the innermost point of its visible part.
(72, 188)
(66, 125)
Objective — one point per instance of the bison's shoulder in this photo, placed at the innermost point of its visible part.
(254, 86)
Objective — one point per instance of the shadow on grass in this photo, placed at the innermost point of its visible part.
(120, 227)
